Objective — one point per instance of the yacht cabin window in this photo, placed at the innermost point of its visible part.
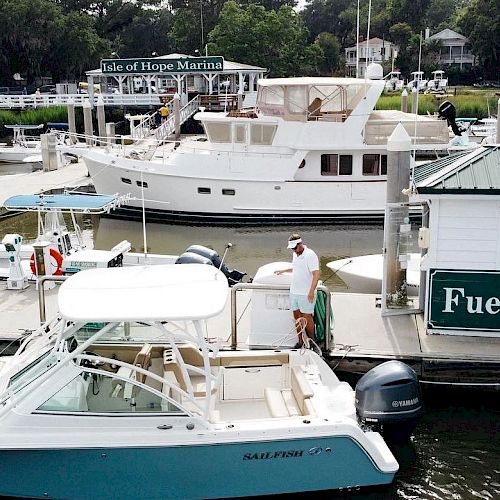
(374, 164)
(240, 136)
(218, 132)
(336, 164)
(262, 134)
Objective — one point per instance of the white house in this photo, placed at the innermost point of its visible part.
(376, 51)
(455, 48)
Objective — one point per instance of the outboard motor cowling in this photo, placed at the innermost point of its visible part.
(192, 258)
(198, 254)
(389, 399)
(447, 110)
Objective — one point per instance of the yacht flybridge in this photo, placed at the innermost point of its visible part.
(312, 150)
(122, 396)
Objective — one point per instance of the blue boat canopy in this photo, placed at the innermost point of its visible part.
(80, 203)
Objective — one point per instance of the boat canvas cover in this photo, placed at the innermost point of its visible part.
(155, 293)
(77, 202)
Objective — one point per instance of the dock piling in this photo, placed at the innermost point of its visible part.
(71, 121)
(49, 152)
(101, 120)
(177, 116)
(404, 101)
(396, 224)
(87, 122)
(414, 101)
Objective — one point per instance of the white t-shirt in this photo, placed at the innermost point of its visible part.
(303, 267)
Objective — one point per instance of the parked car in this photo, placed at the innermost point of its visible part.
(47, 89)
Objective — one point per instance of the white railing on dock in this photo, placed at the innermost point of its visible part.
(35, 101)
(168, 128)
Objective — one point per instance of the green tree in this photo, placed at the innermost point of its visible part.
(330, 46)
(273, 39)
(480, 22)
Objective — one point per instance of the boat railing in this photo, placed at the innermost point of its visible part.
(262, 287)
(133, 379)
(377, 132)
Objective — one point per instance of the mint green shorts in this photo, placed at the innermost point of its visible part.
(300, 303)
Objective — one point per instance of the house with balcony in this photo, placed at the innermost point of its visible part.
(455, 49)
(376, 51)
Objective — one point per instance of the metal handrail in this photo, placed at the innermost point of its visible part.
(41, 293)
(257, 286)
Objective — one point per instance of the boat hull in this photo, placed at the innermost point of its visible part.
(208, 471)
(173, 197)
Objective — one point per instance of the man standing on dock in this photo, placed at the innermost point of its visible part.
(164, 113)
(305, 277)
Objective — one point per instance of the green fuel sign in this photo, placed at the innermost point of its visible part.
(211, 64)
(464, 300)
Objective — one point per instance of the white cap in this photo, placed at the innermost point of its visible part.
(293, 243)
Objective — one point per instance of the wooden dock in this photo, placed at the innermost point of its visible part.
(364, 338)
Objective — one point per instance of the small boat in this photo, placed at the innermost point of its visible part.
(363, 274)
(417, 81)
(394, 82)
(23, 146)
(123, 388)
(67, 250)
(438, 82)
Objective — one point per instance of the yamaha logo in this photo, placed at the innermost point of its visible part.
(405, 402)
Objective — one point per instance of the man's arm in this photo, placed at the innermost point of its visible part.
(281, 271)
(314, 284)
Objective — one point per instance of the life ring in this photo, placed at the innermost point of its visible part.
(56, 256)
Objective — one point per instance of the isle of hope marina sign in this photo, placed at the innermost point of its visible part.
(182, 65)
(464, 300)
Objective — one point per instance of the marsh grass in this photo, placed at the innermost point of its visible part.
(467, 104)
(33, 116)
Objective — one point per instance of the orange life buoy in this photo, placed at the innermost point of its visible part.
(56, 256)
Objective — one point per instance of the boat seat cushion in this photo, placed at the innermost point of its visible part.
(301, 389)
(275, 402)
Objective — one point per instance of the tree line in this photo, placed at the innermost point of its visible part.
(64, 38)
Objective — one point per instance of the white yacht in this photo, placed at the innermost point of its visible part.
(122, 396)
(313, 150)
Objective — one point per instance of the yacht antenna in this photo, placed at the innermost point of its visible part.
(228, 246)
(416, 100)
(368, 37)
(357, 44)
(144, 219)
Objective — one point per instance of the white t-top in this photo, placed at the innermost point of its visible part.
(303, 267)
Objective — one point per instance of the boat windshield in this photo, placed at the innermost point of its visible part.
(32, 371)
(133, 332)
(309, 102)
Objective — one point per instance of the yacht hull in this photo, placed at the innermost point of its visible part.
(194, 472)
(232, 199)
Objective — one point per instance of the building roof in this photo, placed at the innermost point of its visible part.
(468, 172)
(229, 66)
(371, 42)
(448, 34)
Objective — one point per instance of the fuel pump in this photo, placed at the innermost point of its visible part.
(17, 279)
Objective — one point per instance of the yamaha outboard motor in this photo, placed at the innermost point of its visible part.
(198, 254)
(389, 399)
(447, 110)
